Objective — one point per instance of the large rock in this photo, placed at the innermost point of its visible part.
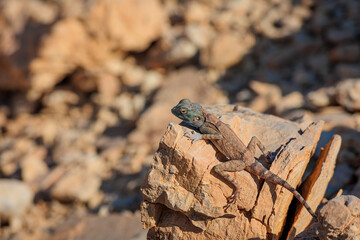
(339, 219)
(15, 198)
(182, 191)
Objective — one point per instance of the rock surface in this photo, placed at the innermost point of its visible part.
(181, 187)
(15, 198)
(339, 219)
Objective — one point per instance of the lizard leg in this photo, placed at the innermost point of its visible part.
(223, 169)
(256, 142)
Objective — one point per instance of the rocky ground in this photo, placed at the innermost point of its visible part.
(86, 89)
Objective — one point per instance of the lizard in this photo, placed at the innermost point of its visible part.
(239, 157)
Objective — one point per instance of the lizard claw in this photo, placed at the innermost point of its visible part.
(270, 157)
(232, 199)
(193, 136)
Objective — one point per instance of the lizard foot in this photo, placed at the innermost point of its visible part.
(194, 136)
(232, 199)
(270, 157)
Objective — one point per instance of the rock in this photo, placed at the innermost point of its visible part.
(345, 70)
(108, 87)
(320, 98)
(347, 52)
(348, 94)
(200, 35)
(338, 219)
(341, 218)
(289, 102)
(33, 165)
(335, 117)
(181, 190)
(281, 20)
(314, 185)
(342, 176)
(197, 12)
(15, 198)
(173, 49)
(76, 185)
(89, 43)
(226, 50)
(269, 95)
(127, 25)
(125, 225)
(60, 97)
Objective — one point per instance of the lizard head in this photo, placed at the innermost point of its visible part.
(191, 113)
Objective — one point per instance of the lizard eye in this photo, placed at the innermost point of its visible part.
(183, 110)
(196, 119)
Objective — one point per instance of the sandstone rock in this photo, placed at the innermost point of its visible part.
(314, 184)
(269, 96)
(341, 218)
(128, 25)
(76, 185)
(182, 191)
(335, 117)
(112, 227)
(33, 165)
(348, 94)
(15, 198)
(289, 102)
(320, 98)
(226, 50)
(90, 44)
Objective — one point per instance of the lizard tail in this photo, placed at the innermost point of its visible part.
(271, 177)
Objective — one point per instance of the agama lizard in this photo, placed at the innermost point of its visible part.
(226, 141)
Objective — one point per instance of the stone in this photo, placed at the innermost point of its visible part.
(347, 52)
(33, 165)
(76, 185)
(112, 227)
(15, 198)
(339, 218)
(226, 50)
(182, 191)
(314, 184)
(348, 94)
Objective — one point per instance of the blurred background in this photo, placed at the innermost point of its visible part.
(86, 88)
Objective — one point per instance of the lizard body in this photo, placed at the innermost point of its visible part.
(227, 142)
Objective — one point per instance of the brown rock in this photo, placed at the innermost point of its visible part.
(127, 25)
(76, 185)
(112, 227)
(269, 95)
(182, 191)
(90, 44)
(313, 189)
(340, 218)
(350, 52)
(33, 165)
(226, 50)
(15, 198)
(348, 94)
